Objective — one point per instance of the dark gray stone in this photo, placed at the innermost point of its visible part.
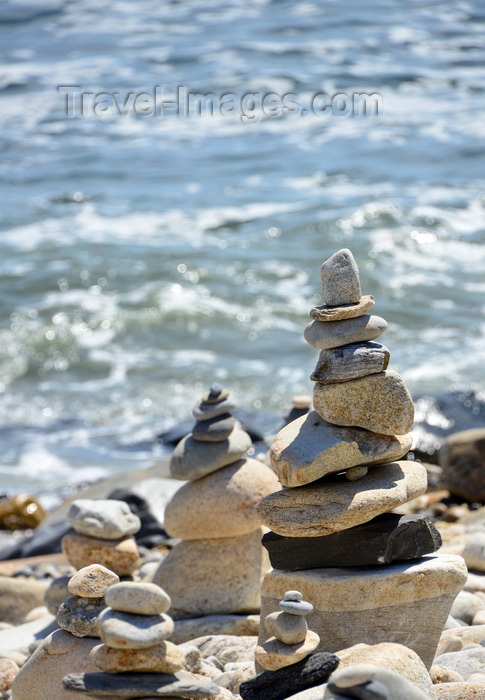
(79, 616)
(351, 362)
(277, 685)
(385, 539)
(140, 685)
(214, 430)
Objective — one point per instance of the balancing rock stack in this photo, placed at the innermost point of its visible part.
(339, 467)
(288, 655)
(136, 659)
(103, 534)
(218, 566)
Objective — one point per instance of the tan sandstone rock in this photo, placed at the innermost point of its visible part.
(379, 402)
(214, 576)
(193, 459)
(221, 504)
(120, 556)
(59, 654)
(405, 603)
(308, 448)
(334, 503)
(165, 657)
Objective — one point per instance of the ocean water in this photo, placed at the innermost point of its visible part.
(143, 258)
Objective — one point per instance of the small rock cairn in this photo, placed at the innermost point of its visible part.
(288, 655)
(79, 613)
(218, 566)
(103, 534)
(338, 464)
(136, 658)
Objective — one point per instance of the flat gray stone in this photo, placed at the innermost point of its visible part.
(214, 430)
(193, 459)
(340, 279)
(325, 336)
(308, 448)
(139, 685)
(122, 630)
(351, 362)
(207, 411)
(138, 597)
(79, 616)
(104, 518)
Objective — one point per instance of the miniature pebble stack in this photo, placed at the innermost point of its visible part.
(338, 465)
(136, 659)
(218, 566)
(103, 534)
(288, 655)
(79, 613)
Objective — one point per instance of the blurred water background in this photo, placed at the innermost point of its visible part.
(142, 259)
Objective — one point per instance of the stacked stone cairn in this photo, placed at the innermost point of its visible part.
(216, 569)
(339, 466)
(136, 660)
(287, 656)
(104, 530)
(103, 534)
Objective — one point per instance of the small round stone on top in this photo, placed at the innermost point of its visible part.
(295, 605)
(92, 581)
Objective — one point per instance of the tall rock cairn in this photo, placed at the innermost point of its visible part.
(217, 567)
(135, 658)
(339, 467)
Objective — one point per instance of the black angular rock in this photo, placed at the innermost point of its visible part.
(140, 685)
(385, 539)
(280, 684)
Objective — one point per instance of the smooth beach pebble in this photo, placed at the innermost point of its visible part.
(129, 631)
(92, 581)
(332, 334)
(138, 598)
(104, 518)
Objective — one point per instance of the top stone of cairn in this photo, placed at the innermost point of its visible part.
(340, 279)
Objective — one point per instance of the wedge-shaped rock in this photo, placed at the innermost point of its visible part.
(405, 603)
(340, 279)
(214, 576)
(141, 685)
(351, 362)
(221, 504)
(388, 537)
(338, 313)
(193, 459)
(332, 334)
(334, 504)
(309, 448)
(379, 402)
